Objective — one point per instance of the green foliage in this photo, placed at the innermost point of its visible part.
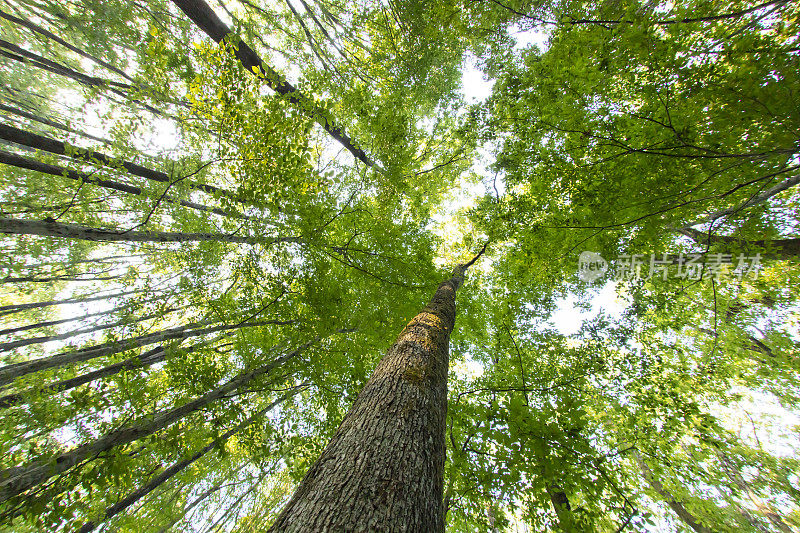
(637, 128)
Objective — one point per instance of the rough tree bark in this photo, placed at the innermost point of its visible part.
(383, 470)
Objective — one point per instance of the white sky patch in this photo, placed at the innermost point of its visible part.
(165, 136)
(448, 225)
(160, 136)
(468, 369)
(568, 318)
(528, 37)
(474, 85)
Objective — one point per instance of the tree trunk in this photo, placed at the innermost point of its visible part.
(52, 123)
(777, 249)
(40, 142)
(16, 480)
(733, 473)
(53, 37)
(20, 54)
(205, 494)
(204, 17)
(82, 177)
(383, 470)
(754, 200)
(12, 226)
(179, 466)
(10, 345)
(23, 56)
(11, 372)
(151, 357)
(53, 279)
(755, 345)
(39, 325)
(48, 323)
(17, 308)
(688, 518)
(234, 506)
(562, 507)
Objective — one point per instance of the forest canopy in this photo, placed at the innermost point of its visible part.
(217, 216)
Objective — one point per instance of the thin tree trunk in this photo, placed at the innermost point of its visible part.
(39, 325)
(204, 17)
(562, 507)
(688, 518)
(16, 480)
(235, 505)
(45, 168)
(755, 200)
(52, 279)
(5, 346)
(52, 123)
(383, 470)
(179, 466)
(26, 57)
(755, 345)
(766, 509)
(13, 226)
(48, 323)
(112, 259)
(780, 249)
(205, 494)
(53, 37)
(16, 308)
(151, 357)
(40, 142)
(20, 54)
(11, 372)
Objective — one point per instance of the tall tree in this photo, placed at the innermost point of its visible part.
(384, 467)
(274, 173)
